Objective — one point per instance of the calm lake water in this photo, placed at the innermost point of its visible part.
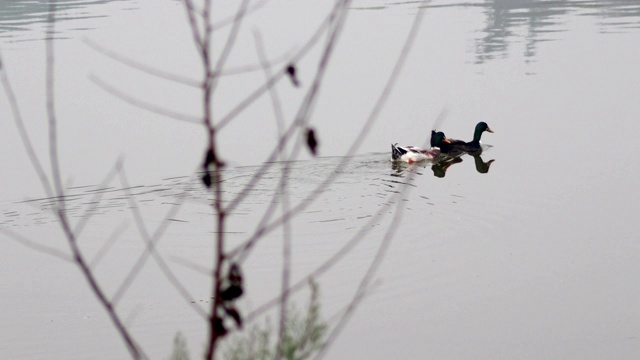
(534, 255)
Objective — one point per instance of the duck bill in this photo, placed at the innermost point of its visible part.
(489, 130)
(447, 141)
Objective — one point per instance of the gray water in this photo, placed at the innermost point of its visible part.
(538, 257)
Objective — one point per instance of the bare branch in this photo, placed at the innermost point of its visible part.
(134, 349)
(296, 125)
(286, 236)
(242, 69)
(95, 201)
(228, 46)
(24, 135)
(261, 231)
(37, 246)
(139, 66)
(193, 22)
(333, 260)
(144, 105)
(53, 132)
(261, 90)
(195, 267)
(151, 242)
(230, 20)
(109, 242)
(366, 280)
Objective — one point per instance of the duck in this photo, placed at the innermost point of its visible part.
(472, 146)
(439, 140)
(458, 146)
(413, 154)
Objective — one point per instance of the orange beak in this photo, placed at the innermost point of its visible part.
(448, 141)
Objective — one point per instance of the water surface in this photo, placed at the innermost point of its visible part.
(529, 256)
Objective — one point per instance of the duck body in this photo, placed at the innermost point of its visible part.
(472, 146)
(412, 154)
(446, 146)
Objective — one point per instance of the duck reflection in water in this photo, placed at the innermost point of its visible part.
(441, 165)
(440, 168)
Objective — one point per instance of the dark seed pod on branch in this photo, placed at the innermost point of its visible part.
(312, 143)
(235, 276)
(235, 315)
(231, 293)
(291, 71)
(206, 179)
(209, 159)
(218, 326)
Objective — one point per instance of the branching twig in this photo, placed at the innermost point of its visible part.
(109, 242)
(283, 140)
(228, 46)
(286, 229)
(60, 211)
(141, 67)
(263, 230)
(366, 280)
(24, 136)
(261, 90)
(334, 259)
(231, 19)
(143, 104)
(342, 252)
(151, 242)
(36, 246)
(95, 201)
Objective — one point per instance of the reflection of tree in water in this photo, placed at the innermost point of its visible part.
(21, 14)
(508, 21)
(506, 17)
(618, 15)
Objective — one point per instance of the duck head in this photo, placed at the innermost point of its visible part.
(480, 128)
(438, 138)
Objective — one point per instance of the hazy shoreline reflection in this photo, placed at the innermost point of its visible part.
(18, 16)
(537, 21)
(509, 23)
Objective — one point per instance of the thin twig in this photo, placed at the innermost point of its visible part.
(286, 228)
(109, 242)
(193, 22)
(134, 349)
(366, 280)
(257, 94)
(50, 106)
(228, 46)
(181, 79)
(392, 228)
(343, 251)
(139, 66)
(24, 135)
(143, 104)
(334, 259)
(262, 89)
(84, 219)
(37, 246)
(151, 242)
(202, 270)
(261, 231)
(231, 19)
